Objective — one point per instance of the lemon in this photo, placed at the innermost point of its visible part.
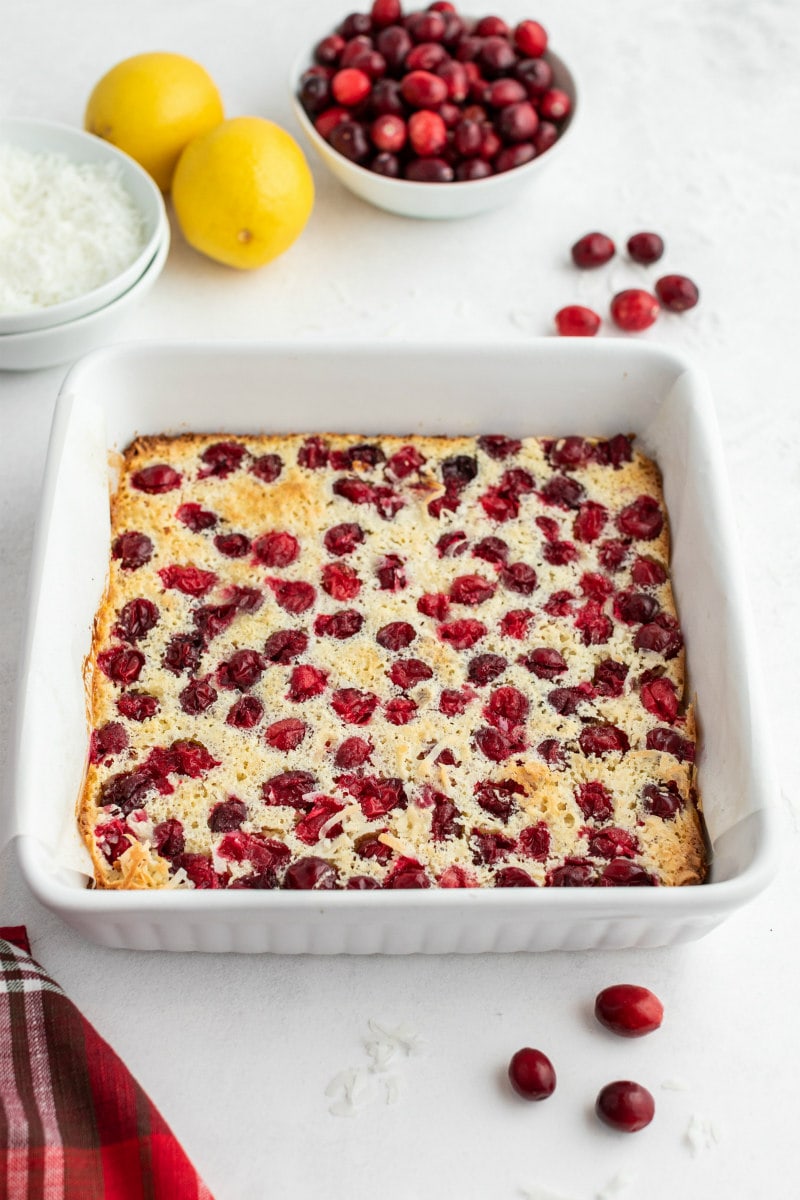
(151, 106)
(243, 192)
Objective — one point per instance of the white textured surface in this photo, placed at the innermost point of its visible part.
(688, 128)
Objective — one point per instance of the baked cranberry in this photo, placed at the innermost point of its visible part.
(434, 604)
(559, 604)
(512, 877)
(292, 595)
(457, 877)
(369, 845)
(137, 706)
(646, 572)
(285, 645)
(498, 745)
(132, 549)
(642, 519)
(113, 838)
(136, 619)
(616, 451)
(667, 741)
(306, 682)
(340, 581)
(544, 663)
(289, 788)
(635, 608)
(245, 713)
(232, 545)
(593, 250)
(353, 752)
(276, 549)
(195, 517)
(343, 539)
(400, 710)
(611, 842)
(407, 873)
(496, 56)
(577, 321)
(621, 872)
(645, 248)
(156, 480)
(574, 872)
(376, 795)
(634, 310)
(463, 634)
(530, 39)
(628, 1010)
(242, 670)
(197, 696)
(397, 635)
(227, 815)
(108, 740)
(471, 589)
(677, 293)
(452, 702)
(625, 1106)
(341, 625)
(183, 652)
(515, 623)
(310, 873)
(486, 667)
(563, 492)
(534, 841)
(120, 664)
(567, 700)
(560, 553)
(589, 521)
(662, 636)
(659, 697)
(408, 672)
(189, 580)
(594, 801)
(496, 796)
(353, 706)
(597, 740)
(531, 1073)
(168, 838)
(309, 828)
(286, 734)
(662, 799)
(555, 105)
(609, 677)
(519, 577)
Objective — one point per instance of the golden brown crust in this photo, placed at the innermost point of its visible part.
(303, 502)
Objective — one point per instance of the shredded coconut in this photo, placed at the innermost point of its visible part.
(356, 1087)
(616, 1186)
(701, 1134)
(65, 228)
(675, 1085)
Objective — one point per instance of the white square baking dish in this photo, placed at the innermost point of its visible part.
(545, 388)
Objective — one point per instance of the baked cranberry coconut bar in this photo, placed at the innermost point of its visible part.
(331, 662)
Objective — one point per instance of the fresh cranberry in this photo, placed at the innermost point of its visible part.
(546, 135)
(385, 164)
(667, 741)
(369, 61)
(242, 670)
(245, 713)
(289, 788)
(328, 50)
(197, 696)
(356, 24)
(276, 549)
(393, 43)
(120, 664)
(429, 170)
(577, 321)
(517, 122)
(385, 12)
(642, 519)
(426, 56)
(388, 133)
(350, 86)
(677, 293)
(455, 77)
(628, 1010)
(468, 138)
(427, 133)
(350, 140)
(292, 595)
(531, 1073)
(314, 93)
(514, 156)
(530, 39)
(156, 480)
(496, 56)
(492, 27)
(645, 248)
(189, 580)
(408, 672)
(634, 310)
(597, 740)
(555, 105)
(486, 667)
(132, 549)
(426, 26)
(594, 801)
(306, 682)
(463, 634)
(504, 92)
(354, 707)
(423, 90)
(353, 752)
(310, 873)
(267, 468)
(593, 250)
(327, 121)
(195, 517)
(227, 815)
(662, 799)
(285, 645)
(625, 1106)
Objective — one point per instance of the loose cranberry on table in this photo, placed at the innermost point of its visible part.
(625, 1105)
(634, 310)
(577, 321)
(645, 248)
(628, 1010)
(531, 1074)
(592, 250)
(677, 293)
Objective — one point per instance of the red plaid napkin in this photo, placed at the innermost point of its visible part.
(74, 1123)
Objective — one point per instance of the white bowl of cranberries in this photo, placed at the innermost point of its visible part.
(397, 102)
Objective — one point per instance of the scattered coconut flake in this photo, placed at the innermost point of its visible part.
(392, 1089)
(675, 1085)
(701, 1134)
(616, 1186)
(356, 1087)
(540, 1193)
(352, 1088)
(403, 1036)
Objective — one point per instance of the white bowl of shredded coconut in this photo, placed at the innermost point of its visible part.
(80, 223)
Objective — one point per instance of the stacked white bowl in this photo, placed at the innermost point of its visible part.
(61, 332)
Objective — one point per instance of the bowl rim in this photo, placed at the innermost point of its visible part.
(65, 139)
(410, 187)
